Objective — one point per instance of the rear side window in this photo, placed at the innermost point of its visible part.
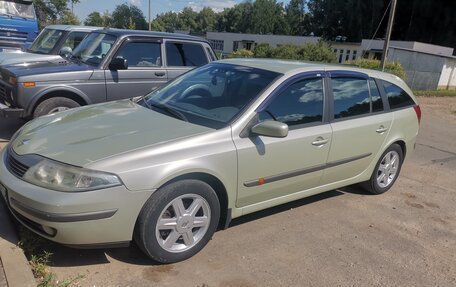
(377, 102)
(141, 54)
(185, 55)
(351, 97)
(301, 103)
(397, 97)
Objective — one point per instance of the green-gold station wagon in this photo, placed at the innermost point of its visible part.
(224, 140)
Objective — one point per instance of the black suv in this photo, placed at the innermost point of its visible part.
(109, 64)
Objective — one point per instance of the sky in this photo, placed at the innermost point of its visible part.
(85, 7)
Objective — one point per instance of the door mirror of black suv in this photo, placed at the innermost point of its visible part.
(65, 52)
(118, 64)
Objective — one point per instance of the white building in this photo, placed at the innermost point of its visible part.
(428, 66)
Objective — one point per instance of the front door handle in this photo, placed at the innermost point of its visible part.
(320, 141)
(159, 74)
(381, 129)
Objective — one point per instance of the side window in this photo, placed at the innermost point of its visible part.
(300, 103)
(351, 97)
(185, 55)
(141, 54)
(397, 97)
(377, 103)
(74, 39)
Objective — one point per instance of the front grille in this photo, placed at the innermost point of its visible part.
(3, 98)
(14, 36)
(14, 165)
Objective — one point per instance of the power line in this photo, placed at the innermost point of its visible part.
(376, 31)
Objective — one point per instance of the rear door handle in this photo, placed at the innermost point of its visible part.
(381, 129)
(159, 74)
(320, 141)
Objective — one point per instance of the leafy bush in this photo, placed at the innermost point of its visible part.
(394, 68)
(243, 53)
(319, 52)
(263, 50)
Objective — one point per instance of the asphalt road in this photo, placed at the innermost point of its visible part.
(406, 237)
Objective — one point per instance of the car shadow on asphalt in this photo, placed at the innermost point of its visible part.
(68, 257)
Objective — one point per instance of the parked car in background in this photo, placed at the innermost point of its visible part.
(109, 64)
(224, 140)
(52, 43)
(18, 24)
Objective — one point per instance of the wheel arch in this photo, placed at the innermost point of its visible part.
(219, 188)
(65, 92)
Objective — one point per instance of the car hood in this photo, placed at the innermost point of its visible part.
(84, 135)
(45, 67)
(27, 58)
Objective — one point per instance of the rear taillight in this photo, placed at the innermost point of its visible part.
(418, 112)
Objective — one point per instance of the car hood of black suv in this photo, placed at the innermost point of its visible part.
(42, 71)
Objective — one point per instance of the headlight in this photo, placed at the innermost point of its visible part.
(62, 177)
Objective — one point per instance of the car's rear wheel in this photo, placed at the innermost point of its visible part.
(178, 221)
(54, 105)
(386, 171)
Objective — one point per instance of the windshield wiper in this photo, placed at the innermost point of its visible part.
(167, 109)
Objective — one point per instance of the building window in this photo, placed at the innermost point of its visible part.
(347, 56)
(248, 46)
(341, 55)
(335, 51)
(354, 54)
(217, 45)
(235, 46)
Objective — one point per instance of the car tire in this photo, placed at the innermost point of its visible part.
(168, 231)
(386, 171)
(54, 105)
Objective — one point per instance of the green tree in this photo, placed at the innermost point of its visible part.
(188, 18)
(206, 20)
(268, 17)
(128, 17)
(297, 18)
(51, 11)
(94, 19)
(69, 18)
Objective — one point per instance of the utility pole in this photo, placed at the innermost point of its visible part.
(150, 23)
(388, 34)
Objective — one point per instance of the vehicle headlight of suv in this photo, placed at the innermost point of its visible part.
(61, 177)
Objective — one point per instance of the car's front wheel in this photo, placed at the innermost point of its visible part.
(386, 171)
(178, 221)
(54, 105)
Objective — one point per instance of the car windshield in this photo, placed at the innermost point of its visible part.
(17, 9)
(94, 48)
(46, 41)
(211, 95)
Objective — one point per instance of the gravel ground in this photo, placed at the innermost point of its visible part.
(3, 282)
(406, 237)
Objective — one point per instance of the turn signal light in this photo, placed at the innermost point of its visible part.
(29, 84)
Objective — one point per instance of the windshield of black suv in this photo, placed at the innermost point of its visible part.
(94, 48)
(46, 41)
(17, 9)
(211, 95)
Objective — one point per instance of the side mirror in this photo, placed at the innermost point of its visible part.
(65, 52)
(270, 129)
(118, 64)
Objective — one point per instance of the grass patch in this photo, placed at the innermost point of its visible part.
(39, 259)
(438, 93)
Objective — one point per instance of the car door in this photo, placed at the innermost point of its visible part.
(145, 69)
(272, 167)
(359, 123)
(182, 56)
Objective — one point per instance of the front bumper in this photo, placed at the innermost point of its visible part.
(94, 218)
(7, 112)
